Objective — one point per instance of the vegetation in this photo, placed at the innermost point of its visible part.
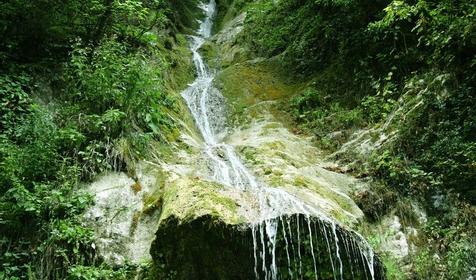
(377, 53)
(81, 92)
(367, 59)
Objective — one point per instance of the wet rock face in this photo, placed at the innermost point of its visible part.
(303, 248)
(307, 247)
(203, 248)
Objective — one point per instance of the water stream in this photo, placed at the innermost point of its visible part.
(270, 219)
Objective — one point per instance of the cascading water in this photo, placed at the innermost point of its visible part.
(279, 215)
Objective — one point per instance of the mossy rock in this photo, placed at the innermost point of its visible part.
(254, 87)
(227, 11)
(190, 198)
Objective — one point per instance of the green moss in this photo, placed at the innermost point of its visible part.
(190, 198)
(249, 153)
(180, 66)
(300, 181)
(228, 10)
(180, 72)
(248, 86)
(211, 54)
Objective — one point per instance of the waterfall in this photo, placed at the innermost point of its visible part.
(277, 210)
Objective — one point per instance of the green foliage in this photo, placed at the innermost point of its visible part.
(184, 14)
(315, 35)
(228, 10)
(29, 153)
(39, 197)
(376, 108)
(449, 252)
(364, 57)
(81, 92)
(39, 29)
(441, 31)
(14, 101)
(324, 115)
(361, 49)
(118, 90)
(113, 96)
(435, 144)
(79, 272)
(392, 269)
